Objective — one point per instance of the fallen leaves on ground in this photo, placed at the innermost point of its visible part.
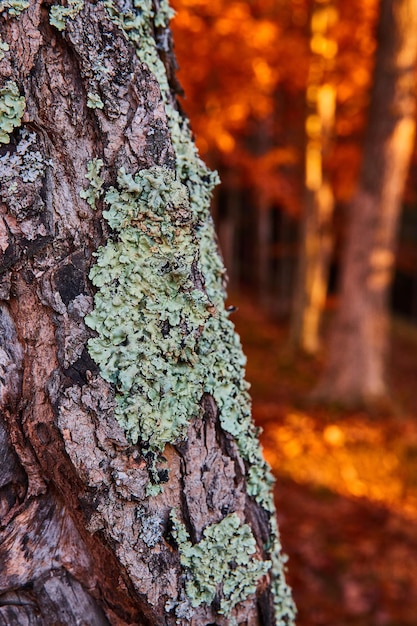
(346, 488)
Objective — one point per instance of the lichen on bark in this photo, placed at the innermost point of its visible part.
(59, 14)
(12, 107)
(224, 558)
(13, 7)
(101, 135)
(148, 313)
(164, 337)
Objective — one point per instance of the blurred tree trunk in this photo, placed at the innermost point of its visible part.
(316, 227)
(263, 280)
(262, 275)
(228, 231)
(84, 537)
(285, 253)
(358, 345)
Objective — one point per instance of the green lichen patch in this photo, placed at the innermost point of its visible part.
(4, 47)
(138, 26)
(148, 314)
(59, 14)
(164, 14)
(221, 564)
(94, 190)
(13, 7)
(285, 611)
(163, 343)
(94, 101)
(12, 107)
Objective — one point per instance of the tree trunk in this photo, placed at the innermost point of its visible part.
(228, 233)
(359, 341)
(132, 487)
(263, 241)
(316, 239)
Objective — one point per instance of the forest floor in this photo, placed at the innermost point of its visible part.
(346, 482)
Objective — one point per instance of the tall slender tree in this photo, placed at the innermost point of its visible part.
(316, 238)
(359, 342)
(132, 486)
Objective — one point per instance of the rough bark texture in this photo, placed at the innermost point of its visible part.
(80, 541)
(356, 371)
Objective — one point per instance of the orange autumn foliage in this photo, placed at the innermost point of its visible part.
(230, 67)
(244, 68)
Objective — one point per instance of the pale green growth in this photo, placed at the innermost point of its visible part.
(152, 490)
(221, 563)
(142, 19)
(12, 107)
(220, 356)
(164, 343)
(164, 14)
(285, 611)
(94, 101)
(4, 47)
(59, 14)
(94, 190)
(138, 25)
(13, 7)
(147, 314)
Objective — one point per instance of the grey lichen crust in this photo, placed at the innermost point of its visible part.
(21, 173)
(25, 161)
(163, 342)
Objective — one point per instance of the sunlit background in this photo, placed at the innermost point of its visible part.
(278, 92)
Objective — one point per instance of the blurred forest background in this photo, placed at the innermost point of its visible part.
(307, 109)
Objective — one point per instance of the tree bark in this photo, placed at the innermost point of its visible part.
(103, 213)
(359, 342)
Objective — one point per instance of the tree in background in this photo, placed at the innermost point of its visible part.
(316, 220)
(133, 489)
(358, 348)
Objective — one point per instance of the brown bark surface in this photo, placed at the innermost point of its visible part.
(356, 370)
(72, 488)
